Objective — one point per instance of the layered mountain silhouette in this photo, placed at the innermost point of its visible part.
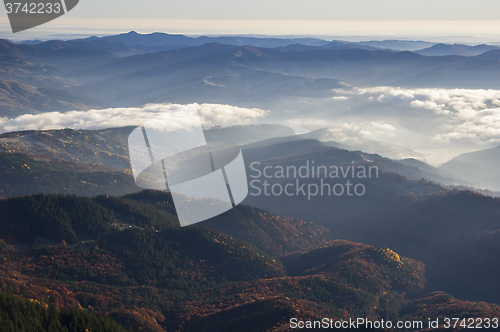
(479, 167)
(77, 233)
(399, 193)
(457, 49)
(134, 69)
(82, 154)
(118, 253)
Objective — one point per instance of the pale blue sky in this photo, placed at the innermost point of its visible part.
(435, 20)
(293, 9)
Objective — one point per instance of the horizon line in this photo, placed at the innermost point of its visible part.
(474, 31)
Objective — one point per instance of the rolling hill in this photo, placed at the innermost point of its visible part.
(194, 278)
(270, 232)
(16, 98)
(22, 174)
(19, 315)
(156, 276)
(109, 146)
(161, 39)
(457, 49)
(479, 167)
(132, 70)
(444, 231)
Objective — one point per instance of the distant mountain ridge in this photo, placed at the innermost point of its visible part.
(133, 39)
(224, 70)
(397, 45)
(480, 167)
(457, 49)
(107, 150)
(160, 39)
(136, 43)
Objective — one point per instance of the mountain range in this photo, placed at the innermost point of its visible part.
(480, 167)
(126, 257)
(83, 248)
(133, 69)
(399, 183)
(457, 49)
(85, 153)
(138, 41)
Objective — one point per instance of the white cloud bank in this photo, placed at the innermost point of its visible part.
(210, 115)
(438, 123)
(460, 102)
(458, 114)
(344, 132)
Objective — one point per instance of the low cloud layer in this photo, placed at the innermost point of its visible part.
(463, 114)
(436, 123)
(210, 115)
(439, 123)
(460, 102)
(347, 131)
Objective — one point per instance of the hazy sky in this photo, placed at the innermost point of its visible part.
(292, 9)
(359, 19)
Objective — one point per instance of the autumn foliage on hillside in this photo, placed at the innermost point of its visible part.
(128, 259)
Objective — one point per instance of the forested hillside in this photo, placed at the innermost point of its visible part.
(127, 258)
(17, 315)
